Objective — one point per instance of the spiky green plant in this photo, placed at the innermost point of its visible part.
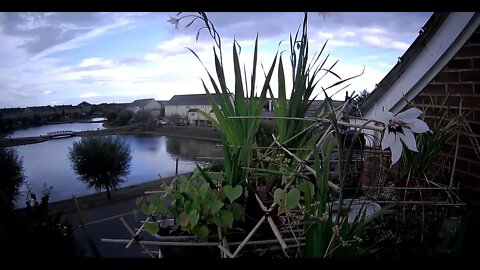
(235, 116)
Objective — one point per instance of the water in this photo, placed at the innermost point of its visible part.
(43, 130)
(152, 157)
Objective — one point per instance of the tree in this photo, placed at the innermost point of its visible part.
(3, 125)
(174, 118)
(360, 97)
(101, 162)
(124, 117)
(143, 116)
(11, 177)
(111, 115)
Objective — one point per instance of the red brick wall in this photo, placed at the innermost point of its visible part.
(460, 81)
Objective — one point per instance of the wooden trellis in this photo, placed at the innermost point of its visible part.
(282, 239)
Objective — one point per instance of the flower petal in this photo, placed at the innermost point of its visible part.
(396, 149)
(408, 115)
(418, 126)
(388, 139)
(409, 139)
(383, 116)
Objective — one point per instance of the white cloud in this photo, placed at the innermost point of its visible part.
(385, 42)
(96, 62)
(325, 35)
(46, 92)
(89, 94)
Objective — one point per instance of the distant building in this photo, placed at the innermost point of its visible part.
(85, 108)
(148, 104)
(67, 110)
(189, 108)
(12, 113)
(45, 112)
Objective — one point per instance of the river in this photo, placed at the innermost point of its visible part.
(46, 164)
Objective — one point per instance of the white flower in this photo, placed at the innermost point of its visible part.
(400, 128)
(174, 21)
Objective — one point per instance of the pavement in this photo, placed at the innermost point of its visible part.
(101, 218)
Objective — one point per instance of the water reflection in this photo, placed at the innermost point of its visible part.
(42, 130)
(152, 157)
(191, 149)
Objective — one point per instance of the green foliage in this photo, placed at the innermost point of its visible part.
(286, 201)
(124, 117)
(196, 206)
(101, 162)
(11, 176)
(143, 116)
(238, 134)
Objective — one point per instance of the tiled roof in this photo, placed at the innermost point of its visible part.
(197, 99)
(142, 102)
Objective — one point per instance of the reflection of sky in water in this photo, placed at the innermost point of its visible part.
(152, 157)
(42, 130)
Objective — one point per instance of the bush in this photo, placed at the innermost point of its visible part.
(124, 117)
(143, 116)
(112, 115)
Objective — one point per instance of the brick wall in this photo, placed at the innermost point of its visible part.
(458, 83)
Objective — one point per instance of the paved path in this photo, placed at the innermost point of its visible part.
(102, 219)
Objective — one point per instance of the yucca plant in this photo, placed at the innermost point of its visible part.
(236, 116)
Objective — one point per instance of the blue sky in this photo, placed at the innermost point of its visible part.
(67, 58)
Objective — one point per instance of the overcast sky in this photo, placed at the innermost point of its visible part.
(67, 58)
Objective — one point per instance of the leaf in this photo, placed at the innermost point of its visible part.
(227, 218)
(138, 201)
(279, 198)
(238, 211)
(232, 193)
(203, 189)
(135, 214)
(216, 205)
(306, 187)
(151, 227)
(193, 217)
(183, 219)
(147, 211)
(183, 185)
(293, 197)
(201, 232)
(158, 202)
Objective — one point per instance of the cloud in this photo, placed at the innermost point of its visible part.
(50, 32)
(47, 92)
(385, 43)
(89, 94)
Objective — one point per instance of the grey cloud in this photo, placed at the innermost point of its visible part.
(45, 30)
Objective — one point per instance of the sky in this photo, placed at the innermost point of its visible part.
(68, 57)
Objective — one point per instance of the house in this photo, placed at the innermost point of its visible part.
(188, 107)
(163, 104)
(67, 110)
(44, 112)
(441, 70)
(11, 113)
(148, 104)
(85, 108)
